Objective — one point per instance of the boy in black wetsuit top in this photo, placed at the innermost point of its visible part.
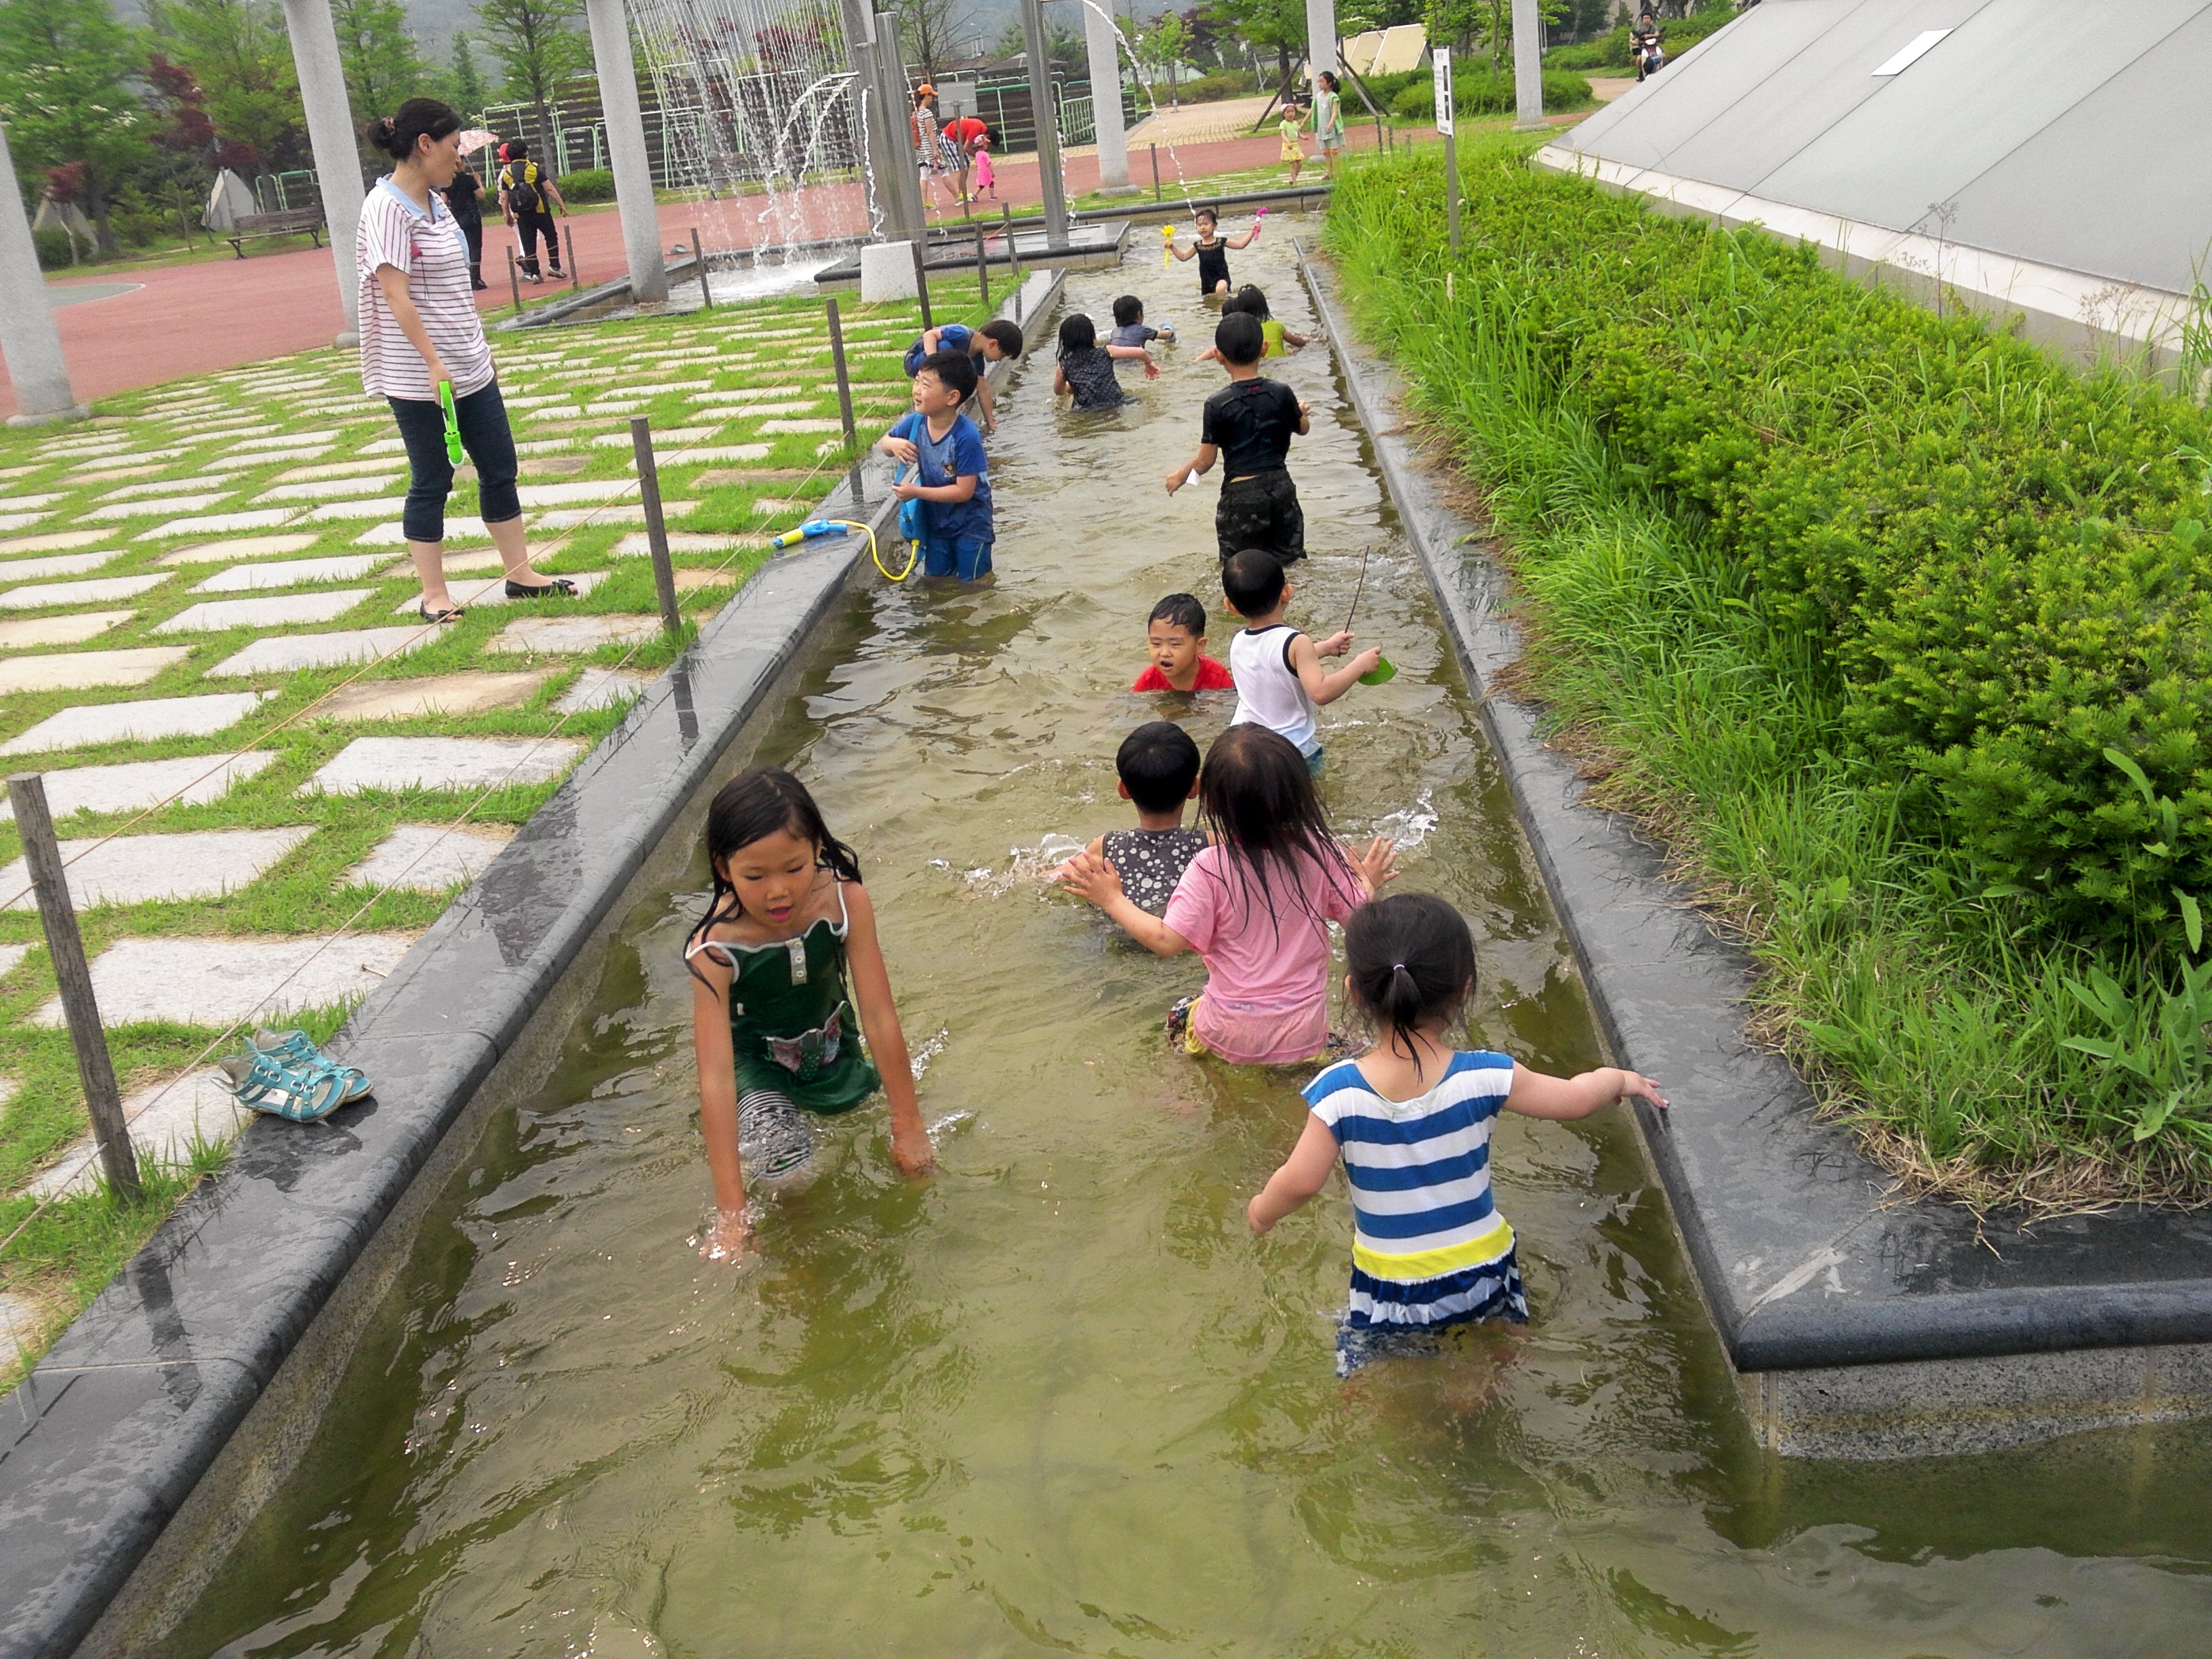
(1248, 423)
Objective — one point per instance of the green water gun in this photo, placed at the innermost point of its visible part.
(453, 451)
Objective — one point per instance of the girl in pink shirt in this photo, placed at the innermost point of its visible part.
(1256, 905)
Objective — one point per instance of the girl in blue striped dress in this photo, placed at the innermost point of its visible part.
(1411, 1118)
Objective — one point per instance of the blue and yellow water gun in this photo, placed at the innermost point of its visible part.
(814, 529)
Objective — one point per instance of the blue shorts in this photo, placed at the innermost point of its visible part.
(1314, 760)
(967, 557)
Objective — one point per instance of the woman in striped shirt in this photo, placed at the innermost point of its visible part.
(1411, 1119)
(419, 326)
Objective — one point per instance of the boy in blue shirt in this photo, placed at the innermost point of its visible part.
(984, 346)
(951, 477)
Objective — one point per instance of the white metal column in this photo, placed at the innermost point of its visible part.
(29, 338)
(1528, 66)
(1102, 42)
(333, 137)
(625, 125)
(1321, 38)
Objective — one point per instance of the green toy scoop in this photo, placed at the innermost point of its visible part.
(453, 451)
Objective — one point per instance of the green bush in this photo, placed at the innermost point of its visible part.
(1210, 88)
(53, 247)
(1610, 52)
(1483, 92)
(588, 185)
(1998, 564)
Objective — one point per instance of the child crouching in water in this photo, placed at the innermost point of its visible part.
(1411, 1119)
(1158, 768)
(1256, 904)
(772, 1018)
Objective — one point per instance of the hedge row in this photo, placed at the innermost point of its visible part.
(1999, 560)
(1610, 50)
(1479, 87)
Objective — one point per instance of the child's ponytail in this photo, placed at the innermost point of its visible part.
(1411, 961)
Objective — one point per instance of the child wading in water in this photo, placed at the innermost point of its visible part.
(1412, 1118)
(1256, 905)
(772, 1016)
(1212, 251)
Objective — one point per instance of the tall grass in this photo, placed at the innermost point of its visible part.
(1923, 1008)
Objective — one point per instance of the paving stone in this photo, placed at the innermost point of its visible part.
(53, 541)
(689, 541)
(236, 548)
(279, 610)
(153, 507)
(101, 591)
(222, 524)
(533, 402)
(591, 489)
(85, 724)
(426, 858)
(11, 955)
(30, 503)
(662, 438)
(751, 394)
(335, 470)
(295, 651)
(801, 426)
(73, 629)
(164, 1121)
(720, 477)
(78, 669)
(133, 785)
(151, 869)
(458, 561)
(579, 518)
(555, 636)
(138, 492)
(21, 472)
(333, 512)
(321, 489)
(782, 406)
(437, 694)
(553, 466)
(217, 981)
(251, 578)
(59, 565)
(459, 528)
(288, 441)
(729, 452)
(20, 1323)
(112, 474)
(603, 688)
(472, 593)
(21, 521)
(448, 763)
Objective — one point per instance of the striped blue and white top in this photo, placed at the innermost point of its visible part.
(1419, 1170)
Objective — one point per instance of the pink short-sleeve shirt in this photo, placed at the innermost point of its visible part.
(430, 251)
(1267, 979)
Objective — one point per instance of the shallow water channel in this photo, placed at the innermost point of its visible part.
(1055, 1399)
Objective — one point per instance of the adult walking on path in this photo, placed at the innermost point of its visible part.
(524, 188)
(419, 327)
(463, 197)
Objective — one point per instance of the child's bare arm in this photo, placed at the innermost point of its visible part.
(1305, 410)
(1291, 339)
(962, 488)
(1059, 380)
(1302, 1175)
(1245, 240)
(1325, 688)
(1534, 1094)
(899, 449)
(1182, 253)
(1202, 462)
(718, 1108)
(871, 992)
(1096, 880)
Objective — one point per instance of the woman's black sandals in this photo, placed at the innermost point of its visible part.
(560, 585)
(451, 613)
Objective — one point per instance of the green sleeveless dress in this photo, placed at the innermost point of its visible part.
(792, 1029)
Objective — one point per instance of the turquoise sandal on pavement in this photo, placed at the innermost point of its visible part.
(258, 1081)
(297, 1050)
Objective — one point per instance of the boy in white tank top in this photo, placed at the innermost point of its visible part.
(1280, 682)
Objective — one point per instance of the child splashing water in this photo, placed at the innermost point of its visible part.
(1256, 905)
(771, 1014)
(1411, 1119)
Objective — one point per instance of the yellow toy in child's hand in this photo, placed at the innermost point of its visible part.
(1167, 246)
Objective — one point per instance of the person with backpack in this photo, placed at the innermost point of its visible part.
(524, 188)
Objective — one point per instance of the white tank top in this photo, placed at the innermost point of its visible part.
(1268, 690)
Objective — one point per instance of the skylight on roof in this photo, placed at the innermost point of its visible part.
(1912, 54)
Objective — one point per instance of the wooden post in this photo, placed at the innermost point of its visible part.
(983, 269)
(576, 276)
(656, 530)
(699, 264)
(1013, 257)
(844, 379)
(1156, 173)
(921, 281)
(515, 278)
(27, 792)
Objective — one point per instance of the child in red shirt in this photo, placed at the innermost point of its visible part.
(1176, 638)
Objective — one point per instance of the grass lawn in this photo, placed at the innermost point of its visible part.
(271, 439)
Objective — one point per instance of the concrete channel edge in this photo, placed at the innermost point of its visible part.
(1861, 1324)
(107, 1439)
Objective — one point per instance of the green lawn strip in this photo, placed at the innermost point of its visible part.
(74, 1245)
(1923, 1008)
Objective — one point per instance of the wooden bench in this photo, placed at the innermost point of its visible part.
(251, 227)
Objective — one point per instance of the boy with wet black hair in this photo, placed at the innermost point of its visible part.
(1249, 424)
(994, 342)
(1175, 637)
(952, 475)
(1280, 684)
(1130, 328)
(1158, 765)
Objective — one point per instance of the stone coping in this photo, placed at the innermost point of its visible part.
(1804, 1255)
(108, 1435)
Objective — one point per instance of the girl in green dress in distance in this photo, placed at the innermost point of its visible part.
(773, 1013)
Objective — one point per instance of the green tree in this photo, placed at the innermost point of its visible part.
(1161, 50)
(383, 67)
(64, 71)
(1276, 26)
(538, 47)
(241, 59)
(466, 81)
(1065, 53)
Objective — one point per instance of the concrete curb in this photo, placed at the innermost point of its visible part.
(1804, 1262)
(111, 1432)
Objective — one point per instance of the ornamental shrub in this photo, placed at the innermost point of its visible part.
(1999, 562)
(1483, 91)
(588, 185)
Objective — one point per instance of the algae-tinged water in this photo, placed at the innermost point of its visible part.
(1055, 1400)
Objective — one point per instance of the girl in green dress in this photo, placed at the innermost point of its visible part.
(773, 1011)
